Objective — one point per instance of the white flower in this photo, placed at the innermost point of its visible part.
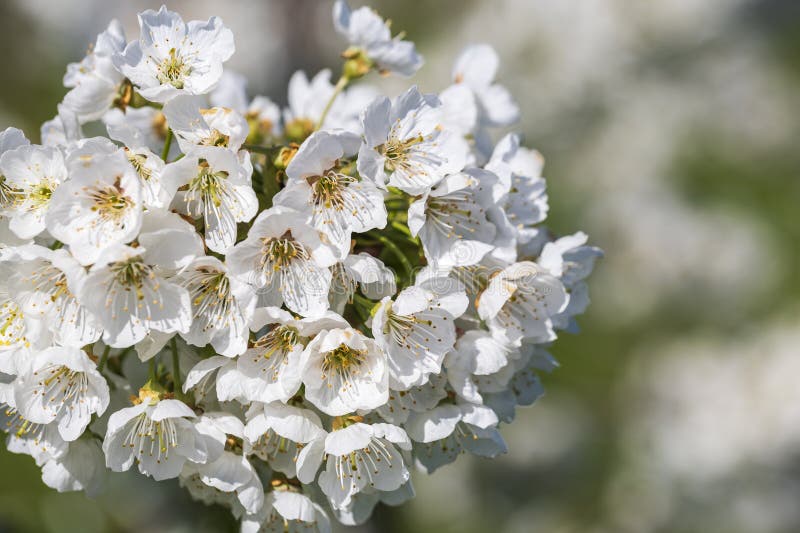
(284, 257)
(417, 329)
(19, 331)
(451, 222)
(476, 68)
(95, 82)
(403, 140)
(221, 307)
(128, 288)
(480, 363)
(307, 101)
(148, 165)
(62, 386)
(31, 174)
(81, 468)
(172, 57)
(276, 433)
(362, 271)
(139, 127)
(420, 399)
(99, 206)
(225, 475)
(525, 200)
(572, 261)
(446, 431)
(274, 363)
(41, 441)
(44, 282)
(157, 435)
(344, 371)
(218, 188)
(195, 125)
(321, 183)
(63, 130)
(286, 509)
(519, 303)
(363, 457)
(369, 35)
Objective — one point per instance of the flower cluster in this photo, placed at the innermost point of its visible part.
(285, 309)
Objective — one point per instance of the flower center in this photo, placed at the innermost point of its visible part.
(153, 438)
(131, 273)
(396, 151)
(173, 70)
(278, 253)
(60, 386)
(138, 161)
(211, 295)
(343, 360)
(208, 186)
(110, 202)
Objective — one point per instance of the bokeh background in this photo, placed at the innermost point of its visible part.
(670, 129)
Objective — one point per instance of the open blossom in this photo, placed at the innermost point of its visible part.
(451, 219)
(405, 144)
(221, 307)
(476, 68)
(286, 509)
(320, 183)
(214, 184)
(286, 260)
(99, 206)
(196, 125)
(129, 289)
(274, 362)
(95, 83)
(363, 457)
(344, 371)
(31, 174)
(442, 433)
(172, 57)
(276, 432)
(62, 386)
(369, 35)
(44, 284)
(362, 272)
(416, 330)
(281, 308)
(157, 435)
(520, 301)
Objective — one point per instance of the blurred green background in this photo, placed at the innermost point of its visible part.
(670, 130)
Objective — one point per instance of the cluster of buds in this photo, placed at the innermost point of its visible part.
(285, 309)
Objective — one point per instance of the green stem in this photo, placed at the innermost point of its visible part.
(167, 145)
(103, 359)
(152, 369)
(340, 85)
(397, 252)
(56, 245)
(176, 369)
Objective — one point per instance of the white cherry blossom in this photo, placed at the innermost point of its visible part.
(369, 35)
(405, 144)
(286, 260)
(171, 57)
(62, 386)
(214, 184)
(344, 371)
(321, 183)
(157, 435)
